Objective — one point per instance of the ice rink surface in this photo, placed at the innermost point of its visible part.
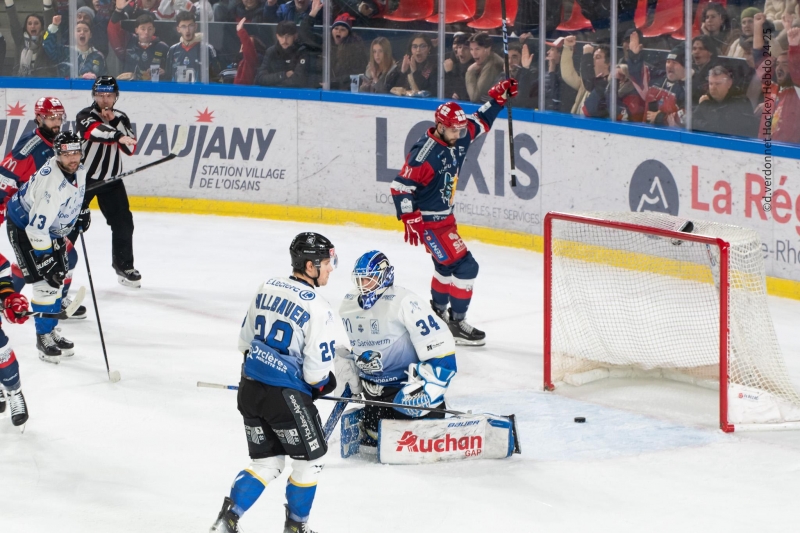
(153, 453)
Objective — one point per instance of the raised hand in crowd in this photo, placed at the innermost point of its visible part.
(272, 2)
(57, 20)
(588, 49)
(120, 5)
(316, 7)
(794, 36)
(448, 65)
(570, 41)
(527, 57)
(404, 68)
(788, 19)
(635, 44)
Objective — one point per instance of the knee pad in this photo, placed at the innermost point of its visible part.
(306, 473)
(466, 268)
(44, 294)
(266, 469)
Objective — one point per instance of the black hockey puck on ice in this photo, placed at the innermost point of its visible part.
(580, 419)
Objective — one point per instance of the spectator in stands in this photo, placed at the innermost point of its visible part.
(743, 46)
(382, 70)
(419, 68)
(554, 86)
(376, 8)
(483, 73)
(348, 53)
(630, 104)
(777, 10)
(236, 10)
(286, 63)
(704, 58)
(593, 81)
(780, 112)
(91, 62)
(183, 59)
(169, 9)
(523, 69)
(717, 26)
(720, 111)
(665, 89)
(294, 10)
(31, 60)
(252, 51)
(455, 68)
(140, 53)
(133, 9)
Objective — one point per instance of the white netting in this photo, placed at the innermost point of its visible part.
(630, 304)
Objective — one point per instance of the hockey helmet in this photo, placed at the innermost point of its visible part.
(451, 115)
(372, 275)
(67, 141)
(105, 84)
(312, 247)
(49, 106)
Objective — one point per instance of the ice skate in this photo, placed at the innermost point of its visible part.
(79, 313)
(19, 409)
(66, 346)
(128, 277)
(291, 526)
(2, 402)
(227, 520)
(48, 350)
(465, 334)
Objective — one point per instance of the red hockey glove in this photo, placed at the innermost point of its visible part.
(414, 227)
(14, 307)
(504, 90)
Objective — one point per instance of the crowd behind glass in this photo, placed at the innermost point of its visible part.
(624, 62)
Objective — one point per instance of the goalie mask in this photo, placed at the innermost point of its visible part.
(372, 275)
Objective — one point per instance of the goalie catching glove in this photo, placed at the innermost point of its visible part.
(425, 388)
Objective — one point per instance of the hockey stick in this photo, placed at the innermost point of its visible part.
(336, 413)
(69, 311)
(508, 102)
(180, 144)
(113, 376)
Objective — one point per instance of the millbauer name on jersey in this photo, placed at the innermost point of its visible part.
(292, 335)
(398, 330)
(48, 205)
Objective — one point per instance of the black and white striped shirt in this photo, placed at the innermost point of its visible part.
(101, 149)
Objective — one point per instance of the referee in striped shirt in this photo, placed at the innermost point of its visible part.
(106, 132)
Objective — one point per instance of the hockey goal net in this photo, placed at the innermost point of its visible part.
(652, 295)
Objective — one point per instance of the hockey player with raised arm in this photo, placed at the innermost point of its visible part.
(289, 337)
(424, 195)
(40, 215)
(403, 351)
(28, 155)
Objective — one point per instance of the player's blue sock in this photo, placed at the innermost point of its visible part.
(45, 325)
(299, 499)
(9, 367)
(245, 491)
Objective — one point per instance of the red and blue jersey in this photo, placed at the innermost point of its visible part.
(29, 154)
(428, 180)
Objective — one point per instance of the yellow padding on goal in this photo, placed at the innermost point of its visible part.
(323, 215)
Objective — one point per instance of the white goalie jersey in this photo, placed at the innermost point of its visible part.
(400, 329)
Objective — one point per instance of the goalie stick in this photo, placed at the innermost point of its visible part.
(344, 401)
(69, 311)
(180, 144)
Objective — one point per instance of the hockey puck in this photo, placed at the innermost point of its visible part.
(580, 419)
(114, 376)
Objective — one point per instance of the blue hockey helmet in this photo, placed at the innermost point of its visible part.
(372, 275)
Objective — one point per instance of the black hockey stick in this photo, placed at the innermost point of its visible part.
(112, 376)
(508, 102)
(69, 311)
(180, 144)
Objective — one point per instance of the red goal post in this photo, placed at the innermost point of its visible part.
(627, 295)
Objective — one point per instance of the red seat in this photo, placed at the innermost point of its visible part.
(456, 11)
(668, 18)
(576, 22)
(491, 17)
(698, 20)
(411, 10)
(640, 16)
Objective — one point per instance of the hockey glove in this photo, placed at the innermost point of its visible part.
(14, 307)
(504, 90)
(84, 220)
(425, 388)
(414, 227)
(327, 387)
(50, 268)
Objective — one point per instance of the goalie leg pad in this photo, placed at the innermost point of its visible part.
(423, 441)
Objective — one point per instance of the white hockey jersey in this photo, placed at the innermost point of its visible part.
(48, 205)
(400, 329)
(292, 335)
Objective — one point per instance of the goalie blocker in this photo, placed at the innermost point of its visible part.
(422, 441)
